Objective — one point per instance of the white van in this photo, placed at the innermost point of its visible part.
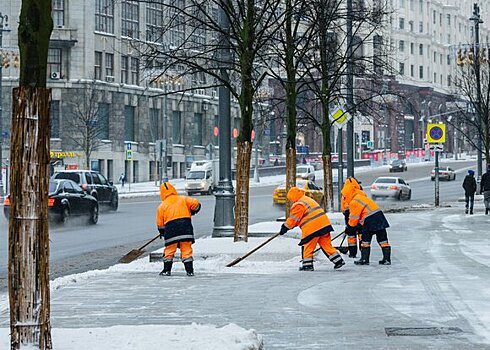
(201, 178)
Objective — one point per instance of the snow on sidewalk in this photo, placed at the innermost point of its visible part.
(191, 337)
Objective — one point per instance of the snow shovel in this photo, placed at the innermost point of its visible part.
(237, 260)
(136, 253)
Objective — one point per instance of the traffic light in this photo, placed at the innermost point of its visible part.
(459, 58)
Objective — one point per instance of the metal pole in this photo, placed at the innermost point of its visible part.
(477, 20)
(256, 141)
(340, 166)
(350, 92)
(436, 174)
(165, 146)
(224, 219)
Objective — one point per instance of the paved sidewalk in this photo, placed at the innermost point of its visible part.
(439, 278)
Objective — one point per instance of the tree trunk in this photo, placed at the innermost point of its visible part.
(244, 152)
(28, 224)
(328, 182)
(290, 174)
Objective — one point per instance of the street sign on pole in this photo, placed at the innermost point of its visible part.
(129, 154)
(436, 133)
(370, 144)
(339, 117)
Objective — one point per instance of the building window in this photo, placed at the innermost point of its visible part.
(435, 78)
(401, 69)
(128, 123)
(421, 6)
(104, 16)
(198, 129)
(55, 119)
(412, 48)
(412, 71)
(421, 72)
(448, 19)
(402, 4)
(98, 65)
(177, 32)
(103, 121)
(401, 46)
(130, 19)
(449, 82)
(401, 23)
(154, 21)
(410, 25)
(135, 71)
(449, 38)
(435, 57)
(109, 65)
(434, 16)
(124, 69)
(176, 127)
(54, 63)
(421, 49)
(421, 27)
(155, 127)
(58, 13)
(448, 58)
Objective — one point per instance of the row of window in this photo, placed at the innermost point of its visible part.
(401, 71)
(401, 48)
(100, 125)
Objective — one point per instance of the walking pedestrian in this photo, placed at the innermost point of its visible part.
(469, 185)
(365, 212)
(485, 189)
(175, 226)
(315, 228)
(122, 179)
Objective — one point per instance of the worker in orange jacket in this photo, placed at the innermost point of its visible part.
(315, 228)
(175, 226)
(354, 236)
(364, 211)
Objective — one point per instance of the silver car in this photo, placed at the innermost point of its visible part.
(394, 187)
(305, 172)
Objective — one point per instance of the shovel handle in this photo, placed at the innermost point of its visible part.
(341, 233)
(236, 261)
(150, 241)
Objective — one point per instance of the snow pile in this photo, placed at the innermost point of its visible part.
(188, 337)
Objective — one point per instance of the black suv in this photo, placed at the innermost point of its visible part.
(94, 184)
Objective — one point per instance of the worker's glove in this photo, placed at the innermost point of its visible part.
(162, 232)
(195, 211)
(283, 230)
(346, 216)
(350, 231)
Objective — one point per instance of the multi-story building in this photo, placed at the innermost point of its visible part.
(92, 49)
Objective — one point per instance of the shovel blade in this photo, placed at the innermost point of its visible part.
(343, 250)
(234, 262)
(131, 256)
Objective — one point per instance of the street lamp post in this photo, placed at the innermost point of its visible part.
(476, 48)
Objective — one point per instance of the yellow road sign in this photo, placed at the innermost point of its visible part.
(129, 154)
(436, 133)
(340, 117)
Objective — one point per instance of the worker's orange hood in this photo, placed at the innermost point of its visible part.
(351, 187)
(295, 194)
(166, 189)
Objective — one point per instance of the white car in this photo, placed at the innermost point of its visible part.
(394, 187)
(305, 172)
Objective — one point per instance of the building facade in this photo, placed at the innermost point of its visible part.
(92, 48)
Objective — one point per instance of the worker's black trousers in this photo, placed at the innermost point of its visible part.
(381, 237)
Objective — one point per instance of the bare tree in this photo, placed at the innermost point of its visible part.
(472, 81)
(29, 293)
(88, 119)
(252, 24)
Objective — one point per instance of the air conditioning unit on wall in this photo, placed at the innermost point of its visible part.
(55, 75)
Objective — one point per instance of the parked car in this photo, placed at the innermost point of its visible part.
(398, 165)
(312, 190)
(305, 172)
(94, 184)
(445, 173)
(65, 199)
(394, 187)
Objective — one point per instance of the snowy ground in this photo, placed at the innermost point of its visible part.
(439, 278)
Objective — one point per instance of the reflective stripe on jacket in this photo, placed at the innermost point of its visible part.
(366, 212)
(310, 217)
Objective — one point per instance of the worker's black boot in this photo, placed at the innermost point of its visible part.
(189, 268)
(306, 268)
(386, 256)
(352, 251)
(167, 268)
(365, 252)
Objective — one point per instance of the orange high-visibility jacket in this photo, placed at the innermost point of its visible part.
(174, 215)
(366, 212)
(308, 215)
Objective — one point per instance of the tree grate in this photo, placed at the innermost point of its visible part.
(421, 331)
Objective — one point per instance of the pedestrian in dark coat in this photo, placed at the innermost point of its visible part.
(485, 189)
(469, 185)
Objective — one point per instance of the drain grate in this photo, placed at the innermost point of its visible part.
(421, 331)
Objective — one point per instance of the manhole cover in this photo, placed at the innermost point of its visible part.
(421, 331)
